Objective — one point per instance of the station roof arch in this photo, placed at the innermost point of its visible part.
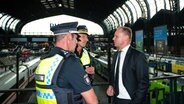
(109, 14)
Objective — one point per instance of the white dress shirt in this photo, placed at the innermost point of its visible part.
(123, 93)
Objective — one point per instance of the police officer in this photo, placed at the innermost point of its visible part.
(82, 53)
(60, 77)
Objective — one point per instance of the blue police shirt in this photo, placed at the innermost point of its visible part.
(73, 76)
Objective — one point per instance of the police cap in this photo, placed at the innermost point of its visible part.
(69, 27)
(82, 29)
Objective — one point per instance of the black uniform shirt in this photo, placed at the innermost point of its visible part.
(73, 76)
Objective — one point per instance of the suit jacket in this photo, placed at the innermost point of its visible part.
(134, 75)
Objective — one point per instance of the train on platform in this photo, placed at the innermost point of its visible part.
(166, 63)
(8, 76)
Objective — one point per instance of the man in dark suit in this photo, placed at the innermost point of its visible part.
(129, 79)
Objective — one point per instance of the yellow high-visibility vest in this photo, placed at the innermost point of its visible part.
(85, 58)
(44, 76)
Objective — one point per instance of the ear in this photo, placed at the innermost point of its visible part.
(69, 38)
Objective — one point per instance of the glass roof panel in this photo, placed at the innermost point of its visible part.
(71, 3)
(181, 4)
(65, 3)
(160, 4)
(9, 23)
(114, 21)
(134, 12)
(152, 7)
(13, 25)
(123, 16)
(138, 9)
(108, 24)
(2, 19)
(167, 5)
(5, 21)
(127, 11)
(1, 14)
(118, 17)
(111, 21)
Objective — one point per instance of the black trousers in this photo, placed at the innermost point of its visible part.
(120, 101)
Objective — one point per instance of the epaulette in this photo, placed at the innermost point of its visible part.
(66, 54)
(45, 56)
(61, 52)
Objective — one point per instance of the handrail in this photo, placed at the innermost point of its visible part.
(100, 83)
(33, 89)
(172, 78)
(166, 77)
(19, 90)
(94, 84)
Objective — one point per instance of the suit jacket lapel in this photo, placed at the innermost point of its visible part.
(113, 66)
(125, 64)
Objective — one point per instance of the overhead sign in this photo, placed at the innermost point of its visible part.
(160, 39)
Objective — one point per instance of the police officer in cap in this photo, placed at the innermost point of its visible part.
(60, 77)
(82, 52)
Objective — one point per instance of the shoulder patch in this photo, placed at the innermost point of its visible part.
(86, 79)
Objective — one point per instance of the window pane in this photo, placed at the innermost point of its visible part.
(160, 4)
(152, 7)
(134, 12)
(138, 9)
(181, 4)
(128, 12)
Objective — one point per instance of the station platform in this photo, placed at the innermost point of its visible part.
(100, 86)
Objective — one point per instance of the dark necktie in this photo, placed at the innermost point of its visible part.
(117, 74)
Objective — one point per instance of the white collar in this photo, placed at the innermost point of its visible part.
(125, 49)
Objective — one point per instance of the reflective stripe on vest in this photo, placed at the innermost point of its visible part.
(85, 59)
(45, 95)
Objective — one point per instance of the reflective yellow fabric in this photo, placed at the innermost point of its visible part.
(45, 96)
(85, 59)
(46, 70)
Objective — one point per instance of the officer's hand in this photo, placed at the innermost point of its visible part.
(110, 91)
(90, 70)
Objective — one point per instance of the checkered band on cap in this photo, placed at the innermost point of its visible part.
(70, 27)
